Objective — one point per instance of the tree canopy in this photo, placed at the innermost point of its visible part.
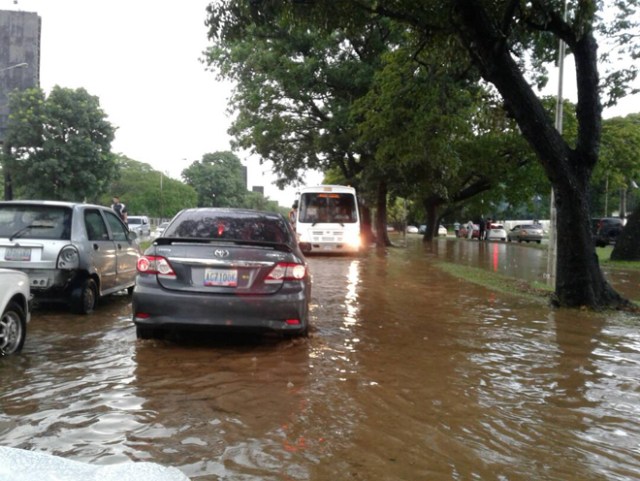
(147, 191)
(218, 180)
(508, 45)
(58, 146)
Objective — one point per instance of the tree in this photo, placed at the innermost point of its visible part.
(621, 155)
(619, 162)
(146, 191)
(508, 42)
(492, 33)
(58, 147)
(218, 180)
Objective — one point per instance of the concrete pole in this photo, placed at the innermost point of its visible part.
(552, 259)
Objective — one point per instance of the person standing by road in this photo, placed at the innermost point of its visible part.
(470, 230)
(482, 225)
(119, 208)
(293, 214)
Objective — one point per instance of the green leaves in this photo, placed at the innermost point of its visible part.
(60, 145)
(218, 180)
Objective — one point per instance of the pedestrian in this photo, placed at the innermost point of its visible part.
(119, 208)
(470, 230)
(456, 228)
(482, 226)
(293, 213)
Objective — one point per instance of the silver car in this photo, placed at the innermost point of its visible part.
(223, 269)
(526, 233)
(71, 252)
(15, 310)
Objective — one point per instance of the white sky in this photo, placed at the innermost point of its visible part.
(142, 59)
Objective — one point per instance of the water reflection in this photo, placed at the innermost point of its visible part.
(200, 415)
(409, 373)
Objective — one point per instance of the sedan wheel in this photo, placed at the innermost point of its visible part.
(83, 297)
(13, 329)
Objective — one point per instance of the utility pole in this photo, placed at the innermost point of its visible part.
(552, 258)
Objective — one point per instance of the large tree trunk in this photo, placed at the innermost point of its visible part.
(579, 280)
(382, 237)
(431, 208)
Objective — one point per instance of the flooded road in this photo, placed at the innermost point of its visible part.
(408, 374)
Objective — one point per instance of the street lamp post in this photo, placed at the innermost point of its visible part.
(11, 67)
(552, 258)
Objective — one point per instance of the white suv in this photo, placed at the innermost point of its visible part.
(139, 224)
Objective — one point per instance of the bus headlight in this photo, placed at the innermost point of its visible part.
(352, 239)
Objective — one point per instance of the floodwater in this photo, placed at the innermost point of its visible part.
(408, 374)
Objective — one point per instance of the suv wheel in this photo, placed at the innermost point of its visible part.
(83, 297)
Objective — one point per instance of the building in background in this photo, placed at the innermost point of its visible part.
(19, 57)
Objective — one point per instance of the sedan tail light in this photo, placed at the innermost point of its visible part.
(284, 271)
(155, 265)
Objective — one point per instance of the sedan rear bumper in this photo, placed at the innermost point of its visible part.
(156, 307)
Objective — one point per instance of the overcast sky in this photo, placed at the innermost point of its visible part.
(142, 59)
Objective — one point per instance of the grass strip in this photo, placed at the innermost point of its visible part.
(536, 291)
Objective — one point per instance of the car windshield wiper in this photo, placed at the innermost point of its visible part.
(19, 232)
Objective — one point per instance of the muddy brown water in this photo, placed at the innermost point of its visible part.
(408, 374)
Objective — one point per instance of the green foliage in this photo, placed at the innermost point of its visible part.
(296, 85)
(257, 201)
(60, 145)
(146, 191)
(218, 180)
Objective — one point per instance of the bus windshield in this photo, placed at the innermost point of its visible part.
(327, 207)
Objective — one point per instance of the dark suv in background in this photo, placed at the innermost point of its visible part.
(606, 230)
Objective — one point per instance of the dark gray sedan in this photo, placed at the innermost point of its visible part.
(223, 269)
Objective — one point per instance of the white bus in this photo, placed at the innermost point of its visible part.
(328, 220)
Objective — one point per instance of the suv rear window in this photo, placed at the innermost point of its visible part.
(232, 226)
(35, 222)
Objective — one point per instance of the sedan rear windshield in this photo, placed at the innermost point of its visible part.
(35, 222)
(230, 226)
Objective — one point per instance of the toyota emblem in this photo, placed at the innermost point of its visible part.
(221, 253)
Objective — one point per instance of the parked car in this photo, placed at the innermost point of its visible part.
(15, 306)
(161, 228)
(442, 230)
(71, 252)
(606, 230)
(412, 229)
(496, 232)
(463, 231)
(223, 269)
(526, 233)
(139, 224)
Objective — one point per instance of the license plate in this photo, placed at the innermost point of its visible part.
(221, 277)
(17, 254)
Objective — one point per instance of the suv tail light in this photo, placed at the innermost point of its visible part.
(155, 265)
(284, 271)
